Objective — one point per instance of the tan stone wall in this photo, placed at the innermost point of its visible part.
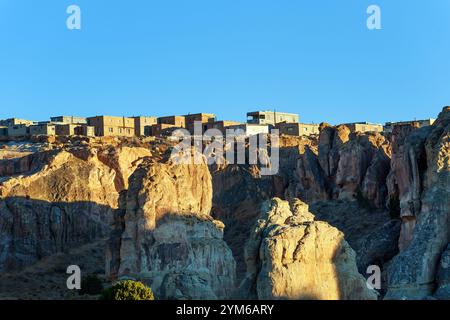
(47, 130)
(141, 122)
(178, 121)
(112, 126)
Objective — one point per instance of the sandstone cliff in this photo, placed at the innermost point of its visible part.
(421, 172)
(291, 256)
(345, 166)
(166, 237)
(54, 200)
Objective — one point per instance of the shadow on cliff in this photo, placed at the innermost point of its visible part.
(34, 229)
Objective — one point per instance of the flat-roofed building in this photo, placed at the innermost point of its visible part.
(69, 119)
(65, 129)
(112, 126)
(177, 121)
(298, 129)
(162, 129)
(220, 125)
(74, 130)
(364, 127)
(203, 118)
(20, 130)
(389, 126)
(87, 131)
(43, 129)
(271, 117)
(247, 129)
(141, 122)
(3, 131)
(15, 122)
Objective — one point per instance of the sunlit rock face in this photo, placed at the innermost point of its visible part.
(54, 200)
(291, 256)
(166, 236)
(425, 207)
(346, 166)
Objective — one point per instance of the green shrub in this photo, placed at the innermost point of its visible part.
(91, 285)
(128, 290)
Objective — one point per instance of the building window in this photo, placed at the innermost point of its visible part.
(111, 130)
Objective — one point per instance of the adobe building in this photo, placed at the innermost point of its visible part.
(204, 118)
(16, 122)
(364, 127)
(112, 126)
(19, 130)
(45, 129)
(247, 129)
(3, 131)
(69, 120)
(162, 129)
(389, 126)
(141, 122)
(298, 129)
(177, 121)
(271, 117)
(220, 125)
(74, 130)
(87, 131)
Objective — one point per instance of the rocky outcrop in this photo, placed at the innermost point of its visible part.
(239, 191)
(291, 256)
(167, 237)
(346, 166)
(425, 202)
(443, 276)
(55, 200)
(405, 180)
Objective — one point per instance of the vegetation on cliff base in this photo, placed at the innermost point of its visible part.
(128, 290)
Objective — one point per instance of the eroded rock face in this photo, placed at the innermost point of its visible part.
(412, 273)
(443, 276)
(291, 256)
(54, 200)
(345, 166)
(405, 180)
(168, 238)
(239, 191)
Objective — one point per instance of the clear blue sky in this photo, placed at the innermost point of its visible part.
(315, 58)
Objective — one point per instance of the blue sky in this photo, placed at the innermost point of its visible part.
(145, 57)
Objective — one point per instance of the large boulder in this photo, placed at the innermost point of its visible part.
(291, 256)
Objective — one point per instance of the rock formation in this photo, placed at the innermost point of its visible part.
(291, 256)
(424, 190)
(166, 236)
(345, 166)
(54, 200)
